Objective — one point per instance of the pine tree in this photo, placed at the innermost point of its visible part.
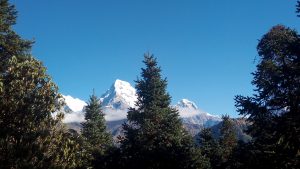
(298, 8)
(219, 150)
(94, 131)
(228, 140)
(154, 136)
(11, 44)
(274, 111)
(210, 147)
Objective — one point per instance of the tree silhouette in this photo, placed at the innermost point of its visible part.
(154, 136)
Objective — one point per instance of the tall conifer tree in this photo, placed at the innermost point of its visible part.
(274, 111)
(11, 44)
(154, 136)
(98, 140)
(220, 150)
(210, 147)
(298, 8)
(228, 140)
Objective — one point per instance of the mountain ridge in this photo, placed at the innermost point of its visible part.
(121, 96)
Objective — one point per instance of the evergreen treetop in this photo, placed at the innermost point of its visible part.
(154, 135)
(11, 44)
(94, 128)
(158, 123)
(274, 111)
(298, 8)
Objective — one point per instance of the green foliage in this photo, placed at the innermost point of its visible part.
(94, 128)
(1, 85)
(274, 111)
(11, 44)
(298, 8)
(64, 149)
(29, 137)
(98, 140)
(220, 150)
(243, 157)
(154, 136)
(210, 147)
(228, 138)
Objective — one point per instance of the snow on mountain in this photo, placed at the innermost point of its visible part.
(191, 114)
(73, 109)
(187, 108)
(117, 100)
(74, 104)
(121, 96)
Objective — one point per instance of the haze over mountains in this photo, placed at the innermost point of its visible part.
(121, 96)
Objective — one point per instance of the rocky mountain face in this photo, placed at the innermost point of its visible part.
(193, 118)
(120, 97)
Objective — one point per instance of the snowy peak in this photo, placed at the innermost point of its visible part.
(74, 104)
(185, 103)
(121, 95)
(187, 108)
(73, 109)
(192, 115)
(126, 91)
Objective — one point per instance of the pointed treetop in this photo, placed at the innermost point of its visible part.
(8, 15)
(298, 8)
(94, 92)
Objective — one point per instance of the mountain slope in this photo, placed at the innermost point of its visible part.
(74, 109)
(193, 118)
(117, 100)
(240, 125)
(74, 104)
(190, 113)
(121, 96)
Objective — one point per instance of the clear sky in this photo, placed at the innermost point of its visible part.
(206, 48)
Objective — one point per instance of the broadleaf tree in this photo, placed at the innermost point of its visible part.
(30, 133)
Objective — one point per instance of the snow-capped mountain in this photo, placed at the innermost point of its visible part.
(74, 104)
(74, 109)
(117, 100)
(121, 96)
(115, 103)
(194, 118)
(191, 114)
(186, 108)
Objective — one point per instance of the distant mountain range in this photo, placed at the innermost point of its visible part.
(120, 97)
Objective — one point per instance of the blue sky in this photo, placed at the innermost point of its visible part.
(206, 48)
